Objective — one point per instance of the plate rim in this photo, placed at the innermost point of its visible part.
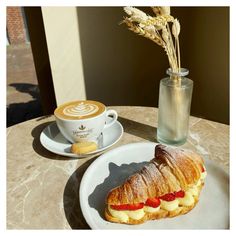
(72, 154)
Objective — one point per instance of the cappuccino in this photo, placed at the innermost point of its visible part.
(83, 121)
(78, 110)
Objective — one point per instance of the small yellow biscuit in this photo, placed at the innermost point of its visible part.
(84, 147)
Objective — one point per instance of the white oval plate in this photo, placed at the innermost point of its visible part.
(113, 167)
(54, 141)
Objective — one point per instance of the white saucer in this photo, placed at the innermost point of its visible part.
(54, 141)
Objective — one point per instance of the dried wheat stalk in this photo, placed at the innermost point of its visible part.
(157, 29)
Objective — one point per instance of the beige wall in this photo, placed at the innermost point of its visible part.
(121, 68)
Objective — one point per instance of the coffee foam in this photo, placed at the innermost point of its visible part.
(79, 109)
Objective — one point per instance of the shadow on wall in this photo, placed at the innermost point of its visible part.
(119, 66)
(122, 68)
(205, 51)
(19, 112)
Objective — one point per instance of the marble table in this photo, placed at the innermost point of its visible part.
(42, 187)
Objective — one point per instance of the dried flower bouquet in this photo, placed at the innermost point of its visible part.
(176, 90)
(157, 29)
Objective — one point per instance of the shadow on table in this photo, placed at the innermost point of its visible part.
(38, 148)
(144, 131)
(71, 201)
(22, 111)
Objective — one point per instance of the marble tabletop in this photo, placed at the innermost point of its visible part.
(43, 187)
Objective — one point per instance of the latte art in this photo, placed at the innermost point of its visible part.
(78, 110)
(81, 110)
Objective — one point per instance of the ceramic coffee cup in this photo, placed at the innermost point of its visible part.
(81, 121)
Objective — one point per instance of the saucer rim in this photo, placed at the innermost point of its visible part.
(101, 150)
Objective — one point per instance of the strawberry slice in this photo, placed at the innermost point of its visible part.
(128, 207)
(179, 194)
(168, 197)
(202, 169)
(153, 202)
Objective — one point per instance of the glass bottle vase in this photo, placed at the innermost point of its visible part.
(175, 96)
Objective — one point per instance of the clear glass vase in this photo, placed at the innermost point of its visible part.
(175, 96)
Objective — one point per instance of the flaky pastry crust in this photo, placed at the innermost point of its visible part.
(169, 171)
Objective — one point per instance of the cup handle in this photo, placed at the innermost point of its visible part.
(114, 114)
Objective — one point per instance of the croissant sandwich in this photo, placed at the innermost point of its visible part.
(169, 185)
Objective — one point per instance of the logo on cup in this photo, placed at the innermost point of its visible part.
(81, 132)
(82, 127)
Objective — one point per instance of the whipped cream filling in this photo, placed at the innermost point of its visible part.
(194, 190)
(151, 209)
(203, 175)
(187, 200)
(199, 182)
(123, 216)
(170, 206)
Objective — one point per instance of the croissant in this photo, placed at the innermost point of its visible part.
(169, 185)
